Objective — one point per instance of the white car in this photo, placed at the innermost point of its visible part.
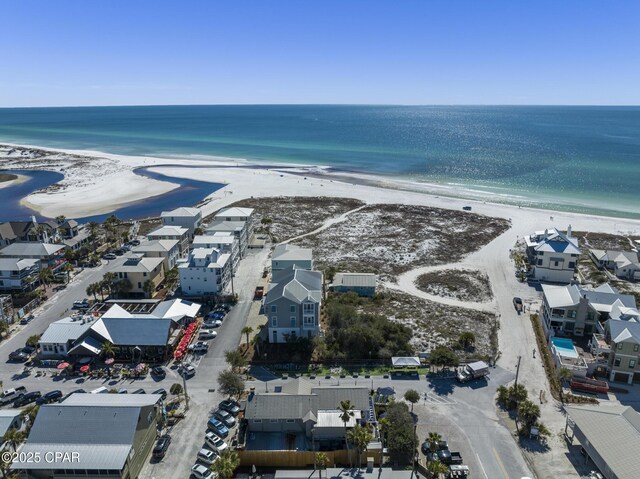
(213, 324)
(207, 334)
(201, 472)
(199, 347)
(215, 442)
(207, 456)
(188, 371)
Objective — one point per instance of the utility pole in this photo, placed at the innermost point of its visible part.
(186, 394)
(517, 370)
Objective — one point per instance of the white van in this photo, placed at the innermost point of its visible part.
(100, 390)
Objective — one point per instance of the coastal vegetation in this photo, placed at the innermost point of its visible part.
(7, 177)
(461, 284)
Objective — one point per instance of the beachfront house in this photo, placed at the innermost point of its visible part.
(624, 264)
(168, 250)
(206, 272)
(48, 255)
(363, 284)
(100, 435)
(300, 416)
(575, 311)
(28, 231)
(190, 218)
(286, 255)
(18, 275)
(145, 274)
(238, 221)
(553, 255)
(177, 233)
(623, 341)
(225, 242)
(293, 304)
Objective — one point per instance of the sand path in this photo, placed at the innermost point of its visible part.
(327, 224)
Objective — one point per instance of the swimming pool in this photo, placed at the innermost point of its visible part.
(565, 347)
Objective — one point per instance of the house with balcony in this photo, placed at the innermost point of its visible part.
(292, 304)
(29, 231)
(623, 338)
(206, 272)
(139, 270)
(574, 311)
(178, 233)
(286, 255)
(225, 242)
(17, 274)
(624, 264)
(553, 255)
(238, 221)
(190, 218)
(168, 250)
(48, 255)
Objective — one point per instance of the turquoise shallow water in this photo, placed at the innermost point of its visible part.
(583, 159)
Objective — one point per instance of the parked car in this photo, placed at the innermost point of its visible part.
(230, 406)
(201, 472)
(199, 347)
(187, 371)
(215, 442)
(217, 427)
(135, 242)
(27, 319)
(162, 393)
(466, 208)
(207, 334)
(51, 396)
(225, 417)
(517, 303)
(159, 372)
(10, 395)
(27, 398)
(123, 391)
(29, 349)
(109, 256)
(18, 355)
(212, 324)
(119, 252)
(161, 446)
(82, 304)
(139, 391)
(207, 456)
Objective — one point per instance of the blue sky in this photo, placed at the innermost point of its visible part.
(405, 52)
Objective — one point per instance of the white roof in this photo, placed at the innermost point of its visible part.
(17, 264)
(561, 296)
(332, 418)
(405, 361)
(226, 226)
(30, 249)
(112, 400)
(143, 265)
(63, 330)
(217, 238)
(553, 241)
(174, 309)
(182, 211)
(614, 432)
(234, 212)
(162, 245)
(289, 252)
(168, 231)
(355, 279)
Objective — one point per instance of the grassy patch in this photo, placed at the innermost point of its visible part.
(464, 285)
(603, 241)
(7, 177)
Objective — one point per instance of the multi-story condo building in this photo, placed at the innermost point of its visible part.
(553, 255)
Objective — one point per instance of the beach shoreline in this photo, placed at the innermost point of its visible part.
(105, 181)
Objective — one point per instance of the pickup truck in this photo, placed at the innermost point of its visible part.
(447, 457)
(10, 395)
(476, 370)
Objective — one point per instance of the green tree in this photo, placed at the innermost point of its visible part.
(360, 437)
(92, 290)
(236, 359)
(67, 268)
(61, 219)
(503, 395)
(45, 276)
(33, 340)
(321, 462)
(517, 394)
(467, 339)
(247, 330)
(226, 464)
(346, 413)
(122, 287)
(230, 384)
(443, 356)
(434, 440)
(30, 412)
(383, 427)
(564, 374)
(171, 278)
(176, 389)
(93, 228)
(14, 437)
(528, 413)
(437, 469)
(401, 438)
(108, 349)
(148, 287)
(412, 396)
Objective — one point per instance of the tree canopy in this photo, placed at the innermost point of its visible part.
(400, 434)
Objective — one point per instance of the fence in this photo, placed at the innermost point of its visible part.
(303, 459)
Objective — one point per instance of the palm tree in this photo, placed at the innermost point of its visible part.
(92, 290)
(322, 460)
(528, 412)
(360, 437)
(61, 219)
(107, 282)
(14, 437)
(434, 440)
(30, 412)
(171, 277)
(247, 330)
(123, 287)
(226, 464)
(437, 469)
(93, 227)
(517, 394)
(346, 413)
(108, 349)
(383, 427)
(148, 287)
(503, 395)
(67, 268)
(45, 276)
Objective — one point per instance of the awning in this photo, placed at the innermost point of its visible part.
(89, 346)
(405, 362)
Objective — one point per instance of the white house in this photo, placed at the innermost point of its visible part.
(624, 264)
(553, 255)
(225, 242)
(18, 274)
(206, 271)
(168, 250)
(238, 221)
(286, 255)
(190, 218)
(178, 233)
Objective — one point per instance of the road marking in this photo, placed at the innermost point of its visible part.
(437, 399)
(502, 468)
(484, 473)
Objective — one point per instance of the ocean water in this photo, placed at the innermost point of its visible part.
(584, 159)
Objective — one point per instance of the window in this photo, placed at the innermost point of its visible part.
(274, 321)
(540, 253)
(616, 362)
(572, 265)
(291, 420)
(556, 263)
(293, 321)
(632, 363)
(144, 274)
(274, 308)
(539, 262)
(273, 420)
(309, 321)
(293, 308)
(635, 348)
(572, 313)
(309, 308)
(619, 346)
(257, 421)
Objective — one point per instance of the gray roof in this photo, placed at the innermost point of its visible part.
(624, 331)
(31, 249)
(133, 331)
(102, 434)
(612, 431)
(234, 211)
(331, 397)
(289, 252)
(182, 211)
(366, 280)
(64, 330)
(297, 285)
(168, 231)
(7, 416)
(16, 264)
(156, 245)
(221, 225)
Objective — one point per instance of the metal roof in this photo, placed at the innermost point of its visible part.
(333, 418)
(280, 406)
(289, 252)
(221, 226)
(409, 361)
(182, 212)
(613, 431)
(64, 330)
(624, 331)
(112, 400)
(234, 211)
(16, 264)
(30, 249)
(297, 285)
(162, 246)
(168, 231)
(365, 280)
(7, 417)
(134, 331)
